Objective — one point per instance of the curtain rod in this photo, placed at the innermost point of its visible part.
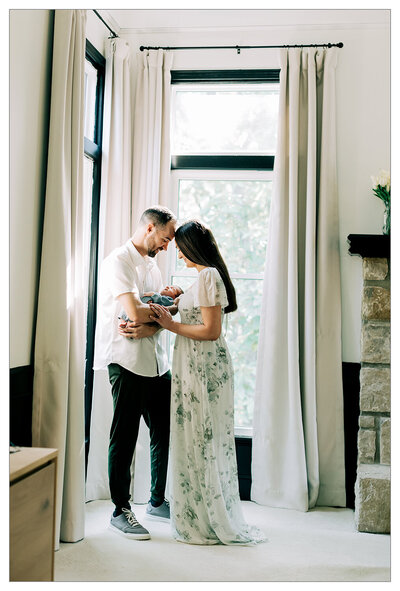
(239, 47)
(113, 33)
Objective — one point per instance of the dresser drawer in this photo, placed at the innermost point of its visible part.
(31, 525)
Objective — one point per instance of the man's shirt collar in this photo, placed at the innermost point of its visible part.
(137, 259)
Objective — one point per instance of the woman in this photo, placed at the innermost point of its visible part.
(205, 503)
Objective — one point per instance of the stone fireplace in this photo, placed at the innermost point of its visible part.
(372, 488)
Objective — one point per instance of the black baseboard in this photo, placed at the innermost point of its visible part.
(243, 458)
(351, 412)
(21, 397)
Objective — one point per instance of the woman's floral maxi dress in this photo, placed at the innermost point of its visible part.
(205, 503)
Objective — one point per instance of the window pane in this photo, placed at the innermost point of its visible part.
(242, 340)
(212, 121)
(237, 212)
(90, 100)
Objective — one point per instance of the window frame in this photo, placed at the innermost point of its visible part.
(214, 174)
(223, 161)
(213, 166)
(224, 76)
(93, 150)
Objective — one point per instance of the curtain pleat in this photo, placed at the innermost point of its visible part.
(116, 167)
(60, 342)
(328, 341)
(151, 151)
(298, 451)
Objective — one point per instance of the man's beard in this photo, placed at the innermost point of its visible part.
(152, 253)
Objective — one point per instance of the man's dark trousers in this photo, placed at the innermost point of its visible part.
(135, 396)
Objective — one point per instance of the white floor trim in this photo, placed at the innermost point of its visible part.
(321, 545)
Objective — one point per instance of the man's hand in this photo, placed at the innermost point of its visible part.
(135, 330)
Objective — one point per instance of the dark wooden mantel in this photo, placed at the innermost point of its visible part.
(369, 245)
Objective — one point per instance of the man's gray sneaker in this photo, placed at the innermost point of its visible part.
(160, 513)
(127, 525)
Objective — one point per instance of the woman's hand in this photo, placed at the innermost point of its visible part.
(209, 330)
(162, 316)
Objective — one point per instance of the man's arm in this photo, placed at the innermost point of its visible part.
(134, 308)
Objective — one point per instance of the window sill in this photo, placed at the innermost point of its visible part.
(245, 432)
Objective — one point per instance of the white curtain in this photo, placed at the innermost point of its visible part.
(114, 230)
(116, 169)
(59, 364)
(151, 151)
(141, 178)
(298, 442)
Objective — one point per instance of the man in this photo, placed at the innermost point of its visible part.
(137, 366)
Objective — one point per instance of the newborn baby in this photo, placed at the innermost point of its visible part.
(166, 297)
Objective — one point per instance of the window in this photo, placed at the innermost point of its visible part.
(224, 131)
(94, 92)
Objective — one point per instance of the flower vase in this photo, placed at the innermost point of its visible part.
(386, 221)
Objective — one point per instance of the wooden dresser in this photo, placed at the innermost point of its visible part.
(32, 513)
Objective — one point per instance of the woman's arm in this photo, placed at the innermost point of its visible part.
(210, 330)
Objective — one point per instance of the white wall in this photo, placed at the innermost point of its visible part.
(363, 125)
(30, 73)
(96, 31)
(363, 106)
(30, 63)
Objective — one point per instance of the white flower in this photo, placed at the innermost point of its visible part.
(382, 180)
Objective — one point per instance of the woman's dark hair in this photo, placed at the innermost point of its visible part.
(197, 243)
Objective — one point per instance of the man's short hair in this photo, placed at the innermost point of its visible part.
(158, 215)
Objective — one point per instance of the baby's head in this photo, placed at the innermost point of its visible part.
(173, 291)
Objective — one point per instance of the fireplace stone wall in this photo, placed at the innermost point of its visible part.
(372, 488)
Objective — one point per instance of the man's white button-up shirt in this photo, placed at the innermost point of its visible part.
(126, 270)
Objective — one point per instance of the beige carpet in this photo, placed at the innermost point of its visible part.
(321, 545)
